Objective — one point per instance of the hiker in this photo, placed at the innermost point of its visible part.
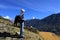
(22, 24)
(20, 19)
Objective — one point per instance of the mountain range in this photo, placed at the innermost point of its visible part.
(48, 24)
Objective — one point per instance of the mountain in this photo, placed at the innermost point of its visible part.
(53, 22)
(34, 22)
(53, 19)
(50, 23)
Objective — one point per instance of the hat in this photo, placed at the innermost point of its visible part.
(22, 10)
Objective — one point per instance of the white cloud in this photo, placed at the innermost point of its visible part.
(3, 6)
(7, 17)
(33, 17)
(9, 7)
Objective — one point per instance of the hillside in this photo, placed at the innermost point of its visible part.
(49, 36)
(7, 26)
(48, 24)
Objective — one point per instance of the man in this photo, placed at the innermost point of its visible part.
(20, 19)
(22, 23)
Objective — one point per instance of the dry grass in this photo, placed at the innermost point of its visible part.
(49, 36)
(31, 35)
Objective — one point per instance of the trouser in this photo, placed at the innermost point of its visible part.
(22, 29)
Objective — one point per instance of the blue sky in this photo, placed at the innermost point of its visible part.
(33, 8)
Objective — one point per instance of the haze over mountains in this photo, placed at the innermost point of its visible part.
(50, 23)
